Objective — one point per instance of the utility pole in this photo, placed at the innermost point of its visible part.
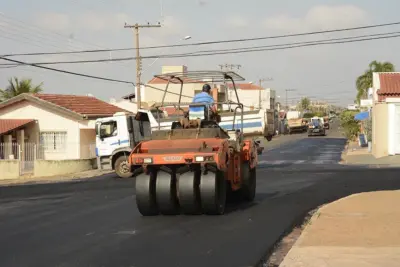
(136, 28)
(261, 88)
(288, 90)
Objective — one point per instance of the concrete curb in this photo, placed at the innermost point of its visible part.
(344, 153)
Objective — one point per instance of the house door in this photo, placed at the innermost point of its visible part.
(397, 130)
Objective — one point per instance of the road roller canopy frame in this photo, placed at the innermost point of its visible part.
(200, 77)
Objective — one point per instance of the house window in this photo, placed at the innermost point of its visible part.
(53, 141)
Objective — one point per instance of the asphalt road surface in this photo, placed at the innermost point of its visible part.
(95, 223)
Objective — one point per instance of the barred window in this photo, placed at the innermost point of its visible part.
(53, 141)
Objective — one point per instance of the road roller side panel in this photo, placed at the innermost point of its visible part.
(233, 174)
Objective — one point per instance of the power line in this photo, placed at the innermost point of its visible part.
(213, 42)
(66, 72)
(242, 50)
(86, 75)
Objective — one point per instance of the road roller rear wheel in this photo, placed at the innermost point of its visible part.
(213, 193)
(248, 190)
(146, 194)
(189, 193)
(166, 194)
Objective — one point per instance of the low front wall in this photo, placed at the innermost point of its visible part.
(44, 168)
(9, 169)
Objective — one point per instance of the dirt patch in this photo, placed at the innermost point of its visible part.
(274, 257)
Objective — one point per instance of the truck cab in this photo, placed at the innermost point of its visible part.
(116, 136)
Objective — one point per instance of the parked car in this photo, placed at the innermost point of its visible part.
(316, 127)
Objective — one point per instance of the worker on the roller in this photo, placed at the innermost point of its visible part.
(204, 97)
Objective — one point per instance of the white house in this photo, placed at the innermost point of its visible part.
(51, 126)
(386, 114)
(253, 96)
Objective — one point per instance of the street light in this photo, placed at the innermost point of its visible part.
(187, 37)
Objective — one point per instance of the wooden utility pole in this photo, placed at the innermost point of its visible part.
(261, 88)
(138, 59)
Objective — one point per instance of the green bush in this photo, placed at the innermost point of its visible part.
(349, 124)
(308, 115)
(320, 114)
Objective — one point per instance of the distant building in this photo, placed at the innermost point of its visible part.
(250, 96)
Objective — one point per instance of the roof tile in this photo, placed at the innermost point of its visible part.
(389, 83)
(7, 125)
(157, 80)
(84, 105)
(245, 86)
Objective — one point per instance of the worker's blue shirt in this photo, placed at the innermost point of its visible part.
(203, 98)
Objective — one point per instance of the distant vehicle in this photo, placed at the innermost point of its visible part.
(296, 123)
(326, 123)
(316, 126)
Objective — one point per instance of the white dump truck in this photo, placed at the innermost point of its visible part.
(115, 136)
(296, 122)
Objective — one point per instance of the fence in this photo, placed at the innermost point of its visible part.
(29, 152)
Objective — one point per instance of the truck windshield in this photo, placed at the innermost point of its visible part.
(108, 129)
(156, 114)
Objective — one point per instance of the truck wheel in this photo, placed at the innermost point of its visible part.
(122, 167)
(249, 177)
(269, 138)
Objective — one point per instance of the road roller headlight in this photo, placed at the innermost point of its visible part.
(199, 159)
(204, 158)
(144, 160)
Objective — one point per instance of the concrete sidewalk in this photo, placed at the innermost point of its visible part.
(360, 230)
(355, 155)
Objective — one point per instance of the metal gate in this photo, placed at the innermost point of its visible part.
(27, 155)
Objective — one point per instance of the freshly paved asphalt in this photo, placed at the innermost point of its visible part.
(95, 223)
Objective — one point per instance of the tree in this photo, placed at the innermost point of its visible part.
(305, 103)
(349, 124)
(364, 81)
(17, 87)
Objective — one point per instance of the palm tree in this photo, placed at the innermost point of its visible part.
(364, 81)
(17, 87)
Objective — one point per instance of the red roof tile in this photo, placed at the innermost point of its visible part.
(84, 105)
(157, 80)
(245, 86)
(389, 83)
(7, 125)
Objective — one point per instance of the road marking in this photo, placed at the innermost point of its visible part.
(318, 162)
(296, 162)
(126, 232)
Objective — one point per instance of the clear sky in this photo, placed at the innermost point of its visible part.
(321, 72)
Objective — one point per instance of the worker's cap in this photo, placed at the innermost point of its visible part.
(206, 88)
